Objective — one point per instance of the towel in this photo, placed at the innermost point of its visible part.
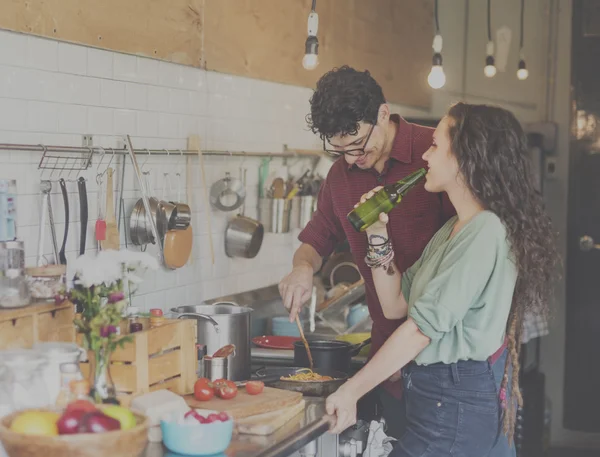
(378, 443)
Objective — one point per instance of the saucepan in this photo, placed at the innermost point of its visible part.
(328, 354)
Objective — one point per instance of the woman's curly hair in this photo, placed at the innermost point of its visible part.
(343, 98)
(492, 153)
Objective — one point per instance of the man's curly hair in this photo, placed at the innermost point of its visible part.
(343, 98)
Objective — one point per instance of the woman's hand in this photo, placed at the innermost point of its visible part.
(342, 406)
(378, 228)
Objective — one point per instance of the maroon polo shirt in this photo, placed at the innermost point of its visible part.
(411, 224)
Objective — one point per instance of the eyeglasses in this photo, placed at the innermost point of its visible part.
(357, 152)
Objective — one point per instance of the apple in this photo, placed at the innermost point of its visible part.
(98, 422)
(69, 422)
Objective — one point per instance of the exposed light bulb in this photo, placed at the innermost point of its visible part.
(522, 72)
(311, 46)
(437, 77)
(490, 68)
(310, 61)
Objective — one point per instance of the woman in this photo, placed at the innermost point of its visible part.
(465, 295)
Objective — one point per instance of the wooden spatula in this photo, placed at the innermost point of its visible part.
(112, 240)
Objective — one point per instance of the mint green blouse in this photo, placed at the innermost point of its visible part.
(459, 292)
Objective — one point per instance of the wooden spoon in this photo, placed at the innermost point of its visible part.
(310, 359)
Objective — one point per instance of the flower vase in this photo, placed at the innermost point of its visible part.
(103, 388)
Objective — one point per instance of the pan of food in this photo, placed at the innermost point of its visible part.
(320, 383)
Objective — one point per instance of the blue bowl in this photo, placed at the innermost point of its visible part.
(196, 439)
(281, 326)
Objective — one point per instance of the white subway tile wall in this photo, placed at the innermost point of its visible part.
(53, 93)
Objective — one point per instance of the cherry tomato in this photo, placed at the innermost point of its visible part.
(223, 417)
(203, 390)
(226, 390)
(255, 387)
(212, 418)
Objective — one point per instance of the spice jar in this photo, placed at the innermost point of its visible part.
(46, 282)
(156, 317)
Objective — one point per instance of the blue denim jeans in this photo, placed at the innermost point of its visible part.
(451, 410)
(502, 448)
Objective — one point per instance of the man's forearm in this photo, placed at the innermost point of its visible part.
(306, 255)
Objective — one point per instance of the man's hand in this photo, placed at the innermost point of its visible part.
(296, 289)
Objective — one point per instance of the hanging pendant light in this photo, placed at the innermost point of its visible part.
(522, 72)
(311, 46)
(437, 77)
(490, 65)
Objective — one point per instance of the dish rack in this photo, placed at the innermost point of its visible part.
(332, 312)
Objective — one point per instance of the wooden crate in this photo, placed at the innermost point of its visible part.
(162, 357)
(22, 327)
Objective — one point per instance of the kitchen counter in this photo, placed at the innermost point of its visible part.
(300, 431)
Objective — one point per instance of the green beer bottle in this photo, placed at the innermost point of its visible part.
(386, 199)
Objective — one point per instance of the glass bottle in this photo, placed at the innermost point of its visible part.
(386, 199)
(80, 390)
(69, 372)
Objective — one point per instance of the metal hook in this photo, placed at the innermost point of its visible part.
(44, 149)
(145, 161)
(101, 157)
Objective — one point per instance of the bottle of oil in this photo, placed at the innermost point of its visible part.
(386, 199)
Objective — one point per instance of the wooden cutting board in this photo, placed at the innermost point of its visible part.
(244, 405)
(268, 423)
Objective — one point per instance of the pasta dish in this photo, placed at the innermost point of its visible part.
(306, 375)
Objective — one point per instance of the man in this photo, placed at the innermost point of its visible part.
(350, 114)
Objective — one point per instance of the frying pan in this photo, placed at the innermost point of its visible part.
(272, 377)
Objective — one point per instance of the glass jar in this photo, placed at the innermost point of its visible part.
(14, 289)
(27, 388)
(46, 282)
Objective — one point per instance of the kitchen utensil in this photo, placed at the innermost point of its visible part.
(275, 342)
(344, 272)
(138, 173)
(278, 188)
(245, 405)
(52, 226)
(280, 215)
(243, 235)
(215, 368)
(100, 228)
(220, 324)
(83, 214)
(14, 291)
(328, 354)
(194, 143)
(141, 225)
(304, 342)
(112, 241)
(45, 187)
(167, 206)
(226, 188)
(178, 247)
(349, 295)
(272, 377)
(63, 188)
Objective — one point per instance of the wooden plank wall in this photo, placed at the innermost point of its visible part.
(261, 39)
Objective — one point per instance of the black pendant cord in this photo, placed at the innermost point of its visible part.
(314, 5)
(437, 22)
(489, 20)
(522, 24)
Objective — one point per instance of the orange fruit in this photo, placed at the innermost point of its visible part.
(36, 423)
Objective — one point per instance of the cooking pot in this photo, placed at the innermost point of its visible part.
(221, 324)
(243, 237)
(328, 354)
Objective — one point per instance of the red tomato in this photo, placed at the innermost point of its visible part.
(255, 387)
(223, 417)
(226, 390)
(203, 390)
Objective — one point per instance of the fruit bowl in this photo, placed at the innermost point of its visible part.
(196, 438)
(118, 443)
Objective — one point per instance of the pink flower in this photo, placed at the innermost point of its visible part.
(115, 297)
(108, 330)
